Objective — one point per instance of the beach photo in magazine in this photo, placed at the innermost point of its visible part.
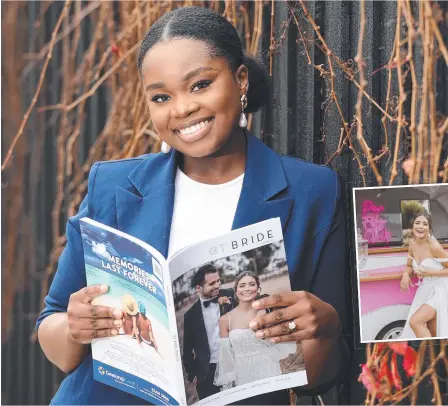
(402, 261)
(140, 358)
(221, 355)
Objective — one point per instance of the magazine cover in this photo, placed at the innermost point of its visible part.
(186, 337)
(214, 286)
(402, 256)
(140, 360)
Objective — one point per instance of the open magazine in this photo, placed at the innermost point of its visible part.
(185, 337)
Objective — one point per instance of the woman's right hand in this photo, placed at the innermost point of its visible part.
(86, 321)
(405, 282)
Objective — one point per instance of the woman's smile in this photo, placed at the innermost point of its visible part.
(195, 130)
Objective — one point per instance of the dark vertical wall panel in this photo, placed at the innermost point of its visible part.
(280, 71)
(304, 96)
(295, 122)
(337, 34)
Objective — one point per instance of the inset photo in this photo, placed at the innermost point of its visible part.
(402, 261)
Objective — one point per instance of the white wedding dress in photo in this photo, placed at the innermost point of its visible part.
(433, 291)
(244, 358)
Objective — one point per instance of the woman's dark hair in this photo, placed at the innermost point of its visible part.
(202, 24)
(426, 215)
(199, 276)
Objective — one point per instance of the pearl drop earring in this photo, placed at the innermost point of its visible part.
(165, 148)
(243, 119)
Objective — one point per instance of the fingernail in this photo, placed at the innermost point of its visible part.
(114, 332)
(259, 334)
(117, 313)
(256, 304)
(104, 288)
(253, 324)
(117, 323)
(273, 340)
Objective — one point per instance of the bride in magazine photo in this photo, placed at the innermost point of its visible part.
(428, 315)
(244, 356)
(214, 309)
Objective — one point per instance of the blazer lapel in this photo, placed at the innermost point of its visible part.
(264, 180)
(147, 214)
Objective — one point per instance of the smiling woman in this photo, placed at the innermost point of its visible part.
(197, 98)
(428, 315)
(214, 177)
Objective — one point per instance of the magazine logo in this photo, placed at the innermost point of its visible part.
(249, 242)
(103, 371)
(253, 239)
(213, 250)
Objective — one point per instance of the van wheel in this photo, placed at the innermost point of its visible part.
(392, 331)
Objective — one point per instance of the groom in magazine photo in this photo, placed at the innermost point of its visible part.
(201, 329)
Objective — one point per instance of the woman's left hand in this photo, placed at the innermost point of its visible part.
(309, 317)
(423, 272)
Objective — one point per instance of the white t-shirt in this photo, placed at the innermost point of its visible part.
(202, 211)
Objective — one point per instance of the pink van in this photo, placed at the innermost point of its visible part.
(383, 307)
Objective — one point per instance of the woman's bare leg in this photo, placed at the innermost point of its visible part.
(420, 319)
(432, 326)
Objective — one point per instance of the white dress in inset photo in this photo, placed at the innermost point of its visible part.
(432, 291)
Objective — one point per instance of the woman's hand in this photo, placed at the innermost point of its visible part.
(405, 282)
(312, 317)
(423, 272)
(86, 321)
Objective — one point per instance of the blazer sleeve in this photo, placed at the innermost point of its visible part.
(331, 280)
(70, 275)
(331, 276)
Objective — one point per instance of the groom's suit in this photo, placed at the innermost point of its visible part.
(196, 349)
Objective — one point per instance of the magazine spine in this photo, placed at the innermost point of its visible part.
(174, 333)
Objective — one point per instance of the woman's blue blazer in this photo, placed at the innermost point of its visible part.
(136, 196)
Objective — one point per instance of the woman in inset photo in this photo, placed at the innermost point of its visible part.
(243, 357)
(428, 316)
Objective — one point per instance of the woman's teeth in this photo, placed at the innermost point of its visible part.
(193, 128)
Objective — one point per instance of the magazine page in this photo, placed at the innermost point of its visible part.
(141, 358)
(214, 284)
